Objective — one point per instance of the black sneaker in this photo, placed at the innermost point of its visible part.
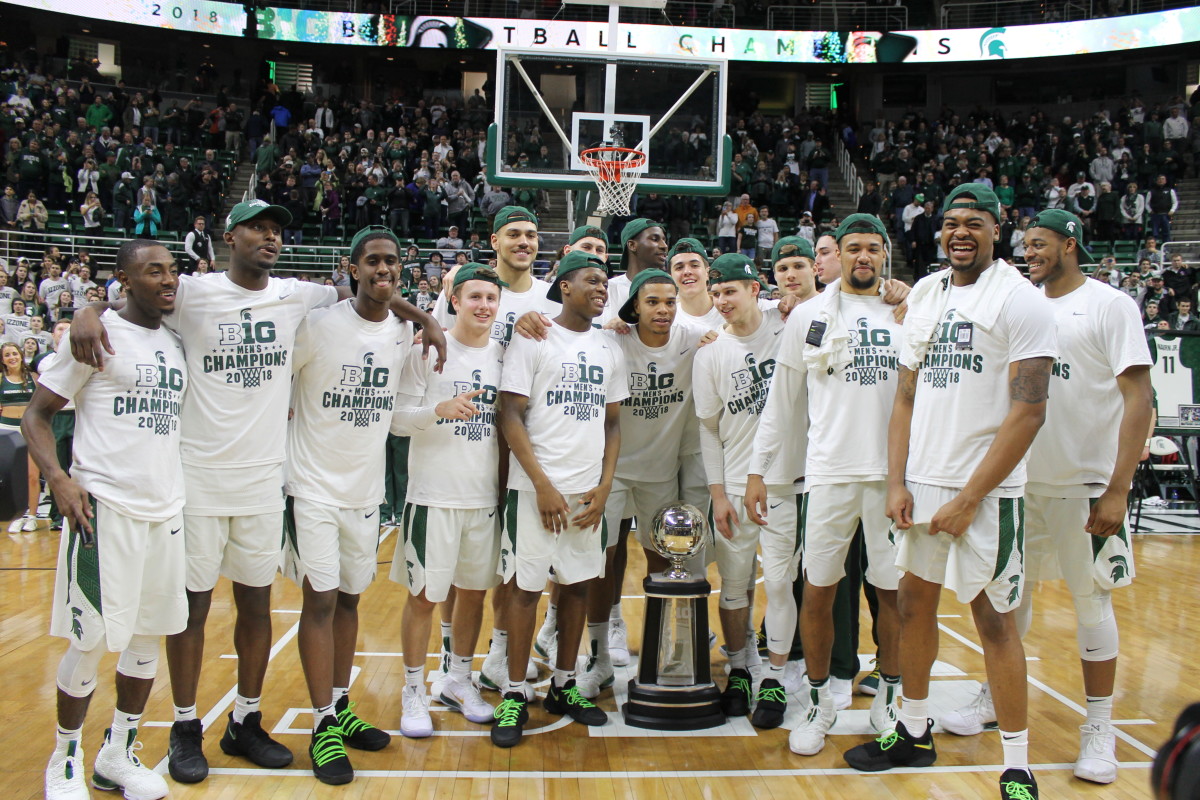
(735, 700)
(185, 754)
(894, 749)
(328, 753)
(509, 720)
(771, 706)
(249, 740)
(356, 732)
(569, 701)
(1018, 784)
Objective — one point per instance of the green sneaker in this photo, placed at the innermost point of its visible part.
(356, 732)
(569, 701)
(870, 684)
(330, 763)
(896, 748)
(510, 718)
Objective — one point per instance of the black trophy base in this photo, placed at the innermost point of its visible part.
(687, 709)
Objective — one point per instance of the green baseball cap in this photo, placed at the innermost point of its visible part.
(473, 272)
(636, 226)
(512, 214)
(378, 230)
(626, 312)
(687, 245)
(251, 209)
(984, 199)
(1065, 224)
(731, 267)
(861, 223)
(576, 259)
(791, 247)
(588, 232)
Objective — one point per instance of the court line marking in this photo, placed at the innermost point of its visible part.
(1066, 701)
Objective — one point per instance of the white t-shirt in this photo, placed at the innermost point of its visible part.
(127, 431)
(768, 233)
(16, 325)
(239, 351)
(569, 379)
(344, 393)
(50, 288)
(713, 321)
(618, 293)
(659, 408)
(850, 409)
(962, 388)
(79, 290)
(452, 463)
(7, 293)
(732, 376)
(1099, 336)
(513, 306)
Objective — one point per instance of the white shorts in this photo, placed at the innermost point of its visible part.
(444, 547)
(334, 548)
(830, 518)
(693, 483)
(529, 551)
(246, 549)
(130, 582)
(988, 557)
(641, 500)
(233, 491)
(1057, 546)
(779, 540)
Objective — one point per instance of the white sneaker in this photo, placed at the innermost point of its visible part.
(29, 524)
(545, 644)
(437, 682)
(64, 774)
(971, 719)
(841, 689)
(618, 643)
(884, 707)
(793, 676)
(464, 698)
(808, 738)
(598, 677)
(1097, 760)
(415, 722)
(117, 767)
(494, 675)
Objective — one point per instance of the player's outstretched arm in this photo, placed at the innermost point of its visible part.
(552, 506)
(595, 500)
(1108, 512)
(1028, 390)
(900, 499)
(35, 427)
(89, 339)
(533, 325)
(432, 334)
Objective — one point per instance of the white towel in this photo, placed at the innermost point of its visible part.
(834, 351)
(929, 298)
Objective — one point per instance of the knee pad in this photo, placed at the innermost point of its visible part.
(77, 670)
(1097, 627)
(781, 616)
(140, 658)
(733, 594)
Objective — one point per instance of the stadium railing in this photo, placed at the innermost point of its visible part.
(845, 162)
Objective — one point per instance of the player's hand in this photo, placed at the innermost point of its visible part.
(756, 499)
(786, 304)
(553, 508)
(708, 338)
(593, 508)
(1108, 514)
(533, 325)
(955, 517)
(725, 516)
(459, 407)
(900, 507)
(435, 338)
(617, 324)
(73, 500)
(89, 339)
(895, 293)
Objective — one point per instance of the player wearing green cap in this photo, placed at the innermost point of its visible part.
(1080, 470)
(835, 378)
(589, 239)
(238, 329)
(976, 356)
(687, 261)
(643, 246)
(732, 377)
(347, 363)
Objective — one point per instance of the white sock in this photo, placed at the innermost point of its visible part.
(185, 714)
(122, 724)
(774, 672)
(499, 644)
(551, 620)
(64, 737)
(339, 692)
(244, 706)
(460, 668)
(598, 633)
(614, 613)
(561, 676)
(1099, 710)
(1016, 749)
(414, 676)
(915, 715)
(737, 659)
(516, 686)
(446, 637)
(824, 694)
(319, 714)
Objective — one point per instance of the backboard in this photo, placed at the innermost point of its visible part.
(671, 109)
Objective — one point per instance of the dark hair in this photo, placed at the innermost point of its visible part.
(128, 251)
(361, 244)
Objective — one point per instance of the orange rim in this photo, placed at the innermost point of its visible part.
(611, 169)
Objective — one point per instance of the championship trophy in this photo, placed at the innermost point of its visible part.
(673, 690)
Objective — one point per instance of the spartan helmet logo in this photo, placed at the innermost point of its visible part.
(369, 360)
(751, 361)
(162, 359)
(477, 376)
(245, 315)
(1071, 227)
(991, 44)
(582, 358)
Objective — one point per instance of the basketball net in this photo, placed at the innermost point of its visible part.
(616, 171)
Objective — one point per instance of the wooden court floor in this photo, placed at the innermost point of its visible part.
(1159, 616)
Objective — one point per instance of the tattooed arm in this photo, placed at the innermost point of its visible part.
(1028, 389)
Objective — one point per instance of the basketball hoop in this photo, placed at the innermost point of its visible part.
(616, 171)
